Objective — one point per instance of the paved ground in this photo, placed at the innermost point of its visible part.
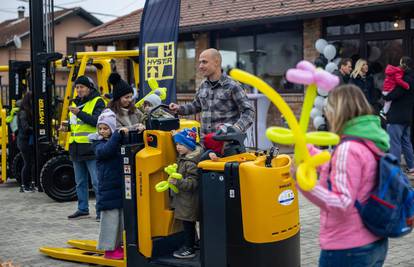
(29, 221)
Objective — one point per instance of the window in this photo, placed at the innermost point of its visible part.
(276, 53)
(342, 29)
(237, 52)
(347, 48)
(382, 26)
(71, 47)
(186, 67)
(380, 53)
(267, 55)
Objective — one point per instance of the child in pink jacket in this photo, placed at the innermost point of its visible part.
(350, 175)
(393, 78)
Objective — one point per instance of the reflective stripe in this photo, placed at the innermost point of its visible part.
(81, 130)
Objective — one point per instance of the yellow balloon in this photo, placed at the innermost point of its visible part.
(306, 172)
(322, 138)
(280, 135)
(162, 186)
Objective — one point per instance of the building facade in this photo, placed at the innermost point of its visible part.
(268, 37)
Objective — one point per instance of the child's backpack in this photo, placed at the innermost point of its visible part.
(389, 211)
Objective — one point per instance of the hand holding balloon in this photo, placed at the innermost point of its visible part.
(173, 176)
(305, 73)
(155, 89)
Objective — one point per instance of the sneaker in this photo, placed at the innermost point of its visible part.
(79, 215)
(117, 254)
(98, 217)
(28, 190)
(184, 253)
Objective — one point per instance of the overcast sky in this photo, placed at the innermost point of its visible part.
(8, 8)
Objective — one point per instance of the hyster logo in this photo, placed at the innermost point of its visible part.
(41, 112)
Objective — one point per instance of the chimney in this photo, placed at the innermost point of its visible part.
(20, 12)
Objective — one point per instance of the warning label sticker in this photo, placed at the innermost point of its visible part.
(286, 197)
(159, 61)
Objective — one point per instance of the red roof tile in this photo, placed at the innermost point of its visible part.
(195, 13)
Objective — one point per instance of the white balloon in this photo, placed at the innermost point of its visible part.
(337, 60)
(320, 45)
(322, 92)
(329, 52)
(331, 67)
(319, 102)
(315, 113)
(318, 121)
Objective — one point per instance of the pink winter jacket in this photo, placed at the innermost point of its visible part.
(353, 176)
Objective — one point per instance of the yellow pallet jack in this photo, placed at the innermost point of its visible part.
(234, 230)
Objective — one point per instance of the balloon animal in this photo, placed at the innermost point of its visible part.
(171, 170)
(305, 73)
(155, 89)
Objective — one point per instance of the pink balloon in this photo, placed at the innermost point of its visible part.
(325, 80)
(305, 65)
(299, 76)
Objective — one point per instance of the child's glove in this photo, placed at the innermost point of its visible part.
(171, 170)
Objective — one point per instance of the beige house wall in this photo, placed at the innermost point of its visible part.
(71, 26)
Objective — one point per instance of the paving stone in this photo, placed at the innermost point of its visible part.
(30, 221)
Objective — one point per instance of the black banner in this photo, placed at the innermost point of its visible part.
(158, 46)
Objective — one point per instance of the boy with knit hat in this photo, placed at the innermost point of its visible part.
(106, 144)
(185, 201)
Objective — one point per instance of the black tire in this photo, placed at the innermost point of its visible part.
(58, 179)
(16, 168)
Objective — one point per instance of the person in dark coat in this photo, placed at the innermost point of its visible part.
(106, 145)
(185, 201)
(400, 117)
(344, 71)
(25, 140)
(365, 82)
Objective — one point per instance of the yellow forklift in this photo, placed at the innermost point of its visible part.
(18, 72)
(3, 135)
(57, 175)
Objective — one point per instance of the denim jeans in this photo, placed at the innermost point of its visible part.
(371, 255)
(400, 141)
(82, 168)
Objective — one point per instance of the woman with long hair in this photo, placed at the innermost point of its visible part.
(122, 104)
(350, 175)
(365, 82)
(25, 141)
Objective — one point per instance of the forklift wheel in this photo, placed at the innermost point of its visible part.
(58, 179)
(16, 168)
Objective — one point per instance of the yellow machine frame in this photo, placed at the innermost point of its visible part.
(3, 136)
(81, 60)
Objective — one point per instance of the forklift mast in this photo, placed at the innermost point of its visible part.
(18, 79)
(41, 41)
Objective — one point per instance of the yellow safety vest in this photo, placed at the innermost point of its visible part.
(79, 132)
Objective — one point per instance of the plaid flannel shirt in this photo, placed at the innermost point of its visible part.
(225, 102)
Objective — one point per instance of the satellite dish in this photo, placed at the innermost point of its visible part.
(17, 41)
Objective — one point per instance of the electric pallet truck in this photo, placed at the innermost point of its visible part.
(248, 214)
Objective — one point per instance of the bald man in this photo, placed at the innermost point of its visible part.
(219, 98)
